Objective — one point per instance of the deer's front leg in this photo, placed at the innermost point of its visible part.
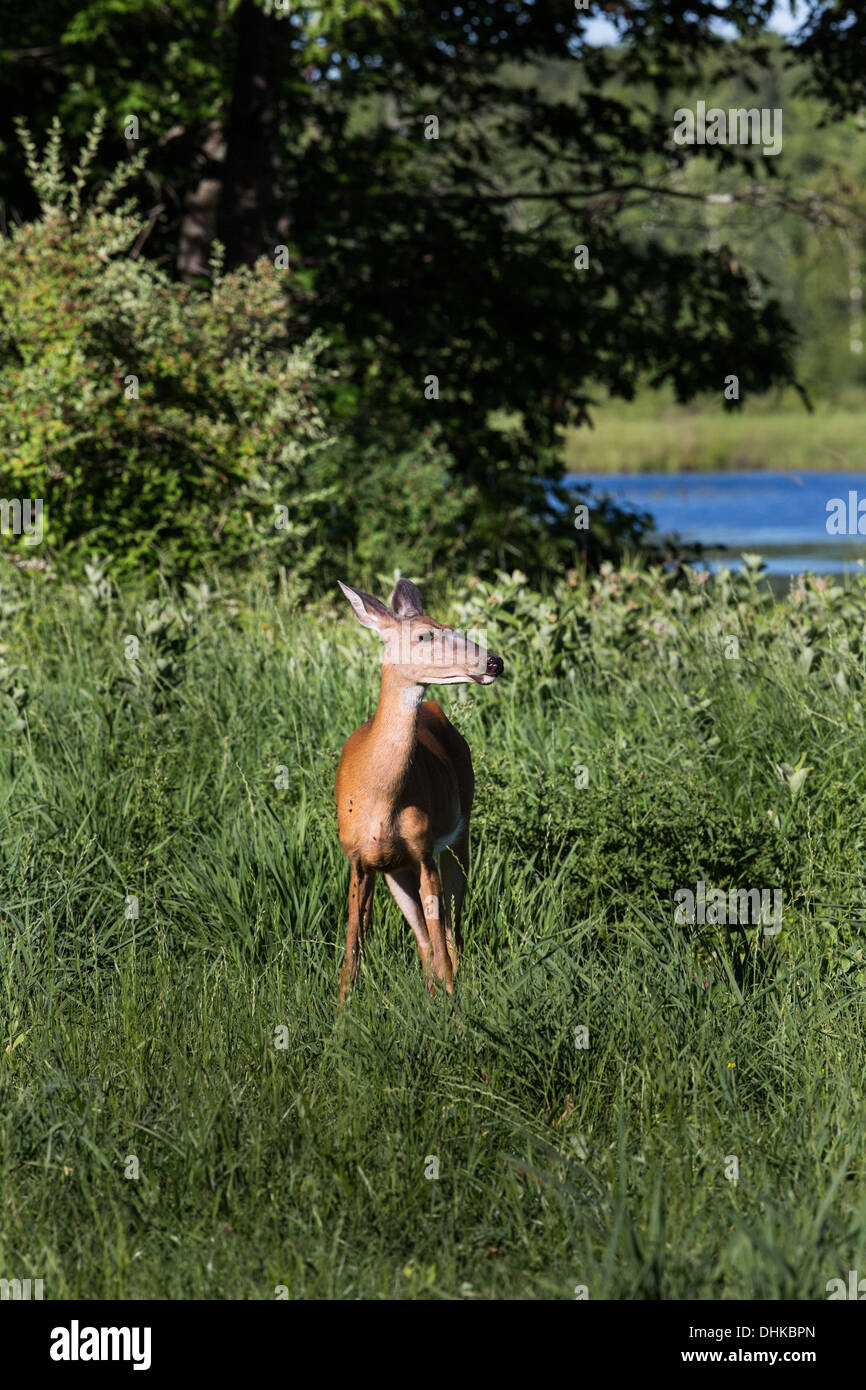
(360, 910)
(431, 901)
(405, 885)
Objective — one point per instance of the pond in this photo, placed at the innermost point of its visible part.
(796, 521)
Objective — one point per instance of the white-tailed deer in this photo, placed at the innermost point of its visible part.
(405, 783)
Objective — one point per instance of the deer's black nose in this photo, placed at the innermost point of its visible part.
(495, 666)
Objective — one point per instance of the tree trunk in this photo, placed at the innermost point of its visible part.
(201, 207)
(247, 219)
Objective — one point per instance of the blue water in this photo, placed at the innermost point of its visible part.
(781, 516)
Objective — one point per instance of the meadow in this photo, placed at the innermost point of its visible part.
(184, 1113)
(640, 438)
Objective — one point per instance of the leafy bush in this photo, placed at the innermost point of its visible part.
(149, 416)
(620, 618)
(165, 426)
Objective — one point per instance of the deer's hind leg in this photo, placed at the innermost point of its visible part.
(361, 887)
(431, 897)
(405, 886)
(453, 869)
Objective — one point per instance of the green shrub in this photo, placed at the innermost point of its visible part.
(168, 427)
(152, 418)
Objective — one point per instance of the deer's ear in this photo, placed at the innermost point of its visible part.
(368, 610)
(406, 600)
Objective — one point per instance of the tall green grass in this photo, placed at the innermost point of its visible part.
(280, 1144)
(630, 439)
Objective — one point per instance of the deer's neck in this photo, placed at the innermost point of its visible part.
(392, 739)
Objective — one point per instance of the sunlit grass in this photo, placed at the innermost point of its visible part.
(625, 440)
(279, 1144)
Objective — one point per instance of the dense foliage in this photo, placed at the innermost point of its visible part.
(450, 257)
(153, 420)
(169, 425)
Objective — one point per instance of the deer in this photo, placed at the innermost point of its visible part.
(405, 784)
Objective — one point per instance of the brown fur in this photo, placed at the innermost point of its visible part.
(405, 785)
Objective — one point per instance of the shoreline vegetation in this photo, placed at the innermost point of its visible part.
(630, 439)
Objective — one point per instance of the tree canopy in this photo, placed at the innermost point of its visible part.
(486, 215)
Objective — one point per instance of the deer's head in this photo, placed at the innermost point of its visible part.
(418, 649)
